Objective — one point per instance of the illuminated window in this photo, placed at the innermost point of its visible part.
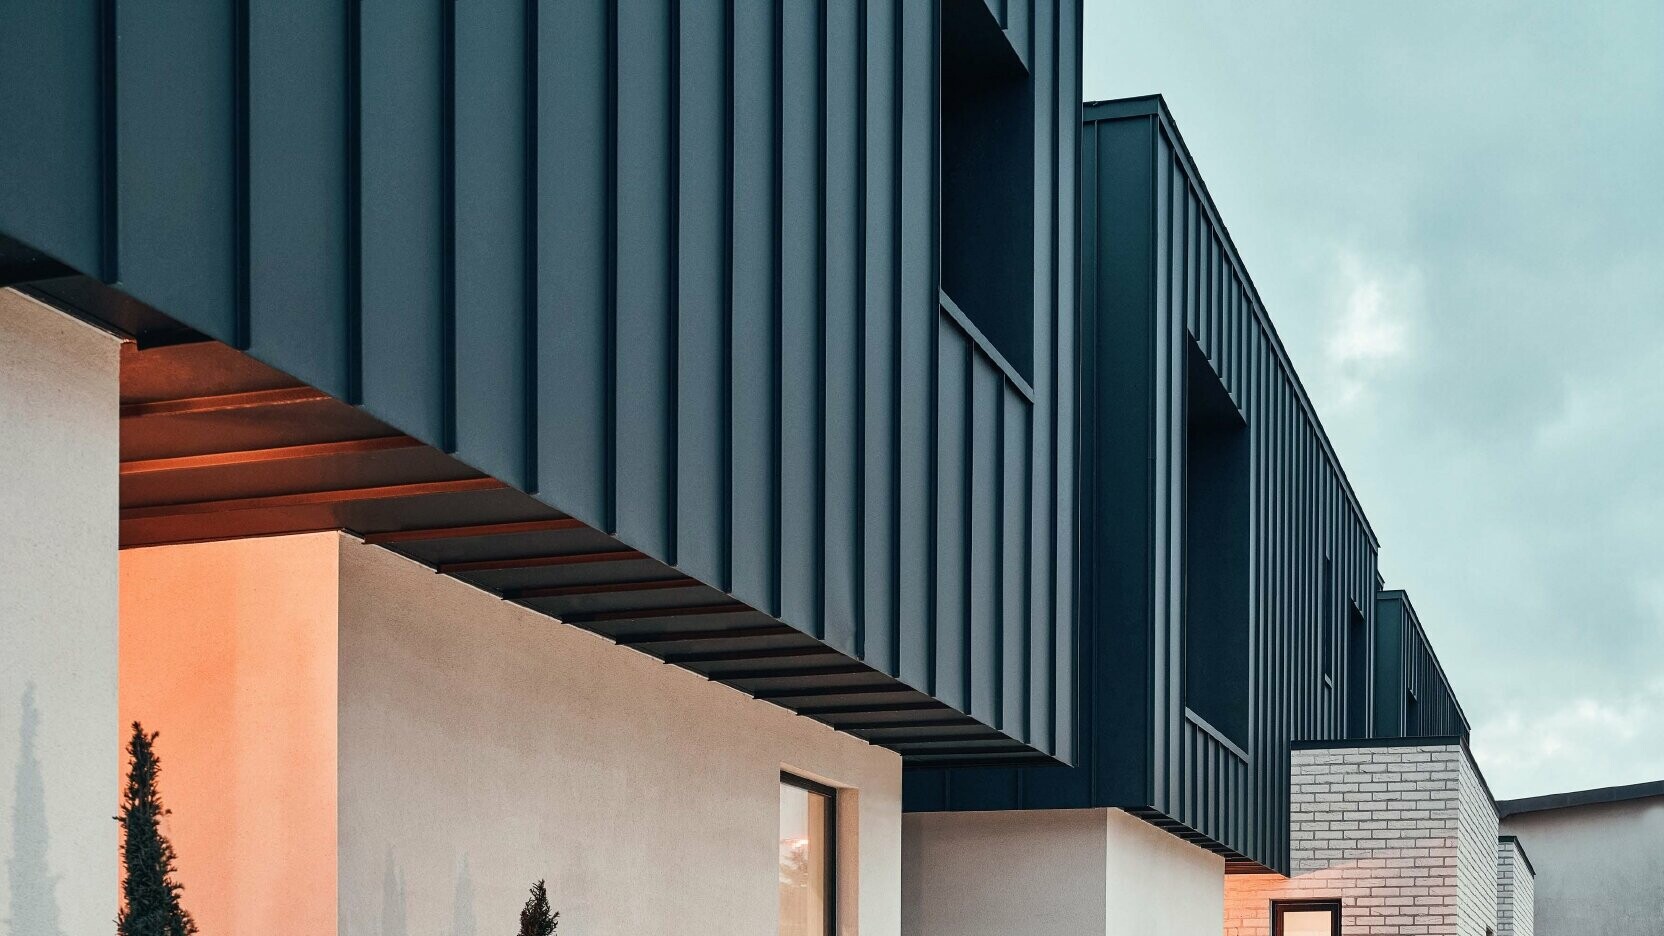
(1305, 918)
(807, 858)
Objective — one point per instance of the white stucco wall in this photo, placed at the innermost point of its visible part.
(1083, 872)
(483, 746)
(59, 753)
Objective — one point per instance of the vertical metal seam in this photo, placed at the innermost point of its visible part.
(609, 459)
(1077, 67)
(967, 533)
(673, 283)
(1000, 390)
(353, 326)
(860, 534)
(821, 314)
(898, 299)
(1057, 383)
(776, 372)
(934, 249)
(726, 534)
(531, 69)
(109, 206)
(447, 228)
(241, 324)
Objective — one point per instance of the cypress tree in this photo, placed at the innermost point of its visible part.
(535, 918)
(150, 895)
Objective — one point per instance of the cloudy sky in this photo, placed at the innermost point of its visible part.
(1455, 214)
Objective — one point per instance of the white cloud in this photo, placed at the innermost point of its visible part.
(1589, 743)
(1372, 330)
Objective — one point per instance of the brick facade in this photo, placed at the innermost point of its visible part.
(1515, 891)
(1390, 832)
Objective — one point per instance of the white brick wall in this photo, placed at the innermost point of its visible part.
(1382, 829)
(1475, 856)
(1515, 892)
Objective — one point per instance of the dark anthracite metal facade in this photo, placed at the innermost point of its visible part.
(1163, 290)
(1413, 698)
(673, 267)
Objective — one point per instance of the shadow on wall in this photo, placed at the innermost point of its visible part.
(463, 919)
(34, 900)
(392, 900)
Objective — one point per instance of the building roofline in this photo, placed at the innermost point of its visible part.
(1594, 797)
(1154, 105)
(1404, 596)
(1519, 846)
(1424, 741)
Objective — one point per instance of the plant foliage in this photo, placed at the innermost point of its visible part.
(150, 895)
(535, 918)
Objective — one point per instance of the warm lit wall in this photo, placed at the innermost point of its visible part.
(1382, 829)
(229, 651)
(484, 746)
(1600, 867)
(1077, 872)
(59, 433)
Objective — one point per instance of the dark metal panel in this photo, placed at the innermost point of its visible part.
(494, 202)
(1067, 44)
(754, 389)
(57, 145)
(673, 268)
(402, 57)
(574, 364)
(645, 263)
(177, 231)
(880, 326)
(983, 576)
(952, 511)
(802, 315)
(1016, 461)
(842, 342)
(918, 318)
(297, 190)
(702, 293)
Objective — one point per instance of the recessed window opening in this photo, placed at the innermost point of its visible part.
(1357, 674)
(987, 165)
(1327, 621)
(808, 857)
(1305, 918)
(1215, 611)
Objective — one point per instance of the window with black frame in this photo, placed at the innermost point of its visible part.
(808, 827)
(1305, 918)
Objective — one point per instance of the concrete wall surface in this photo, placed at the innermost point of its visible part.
(1382, 829)
(228, 652)
(483, 747)
(59, 747)
(1515, 892)
(1600, 868)
(1081, 872)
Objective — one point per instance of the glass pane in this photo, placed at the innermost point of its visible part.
(805, 862)
(1308, 922)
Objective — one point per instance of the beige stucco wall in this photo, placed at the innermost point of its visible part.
(1055, 873)
(59, 434)
(1600, 867)
(228, 650)
(484, 746)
